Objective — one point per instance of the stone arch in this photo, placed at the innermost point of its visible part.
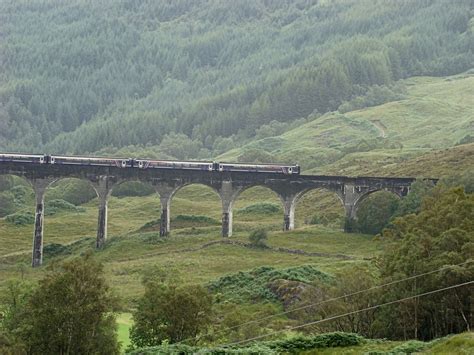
(364, 196)
(123, 198)
(328, 194)
(206, 197)
(264, 194)
(122, 182)
(76, 191)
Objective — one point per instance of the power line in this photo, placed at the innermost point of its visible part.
(333, 299)
(349, 313)
(344, 296)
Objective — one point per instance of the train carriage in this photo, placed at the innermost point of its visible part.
(174, 164)
(24, 158)
(74, 160)
(260, 168)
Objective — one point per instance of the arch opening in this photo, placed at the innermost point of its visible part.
(374, 210)
(70, 212)
(17, 213)
(319, 206)
(258, 207)
(195, 207)
(133, 206)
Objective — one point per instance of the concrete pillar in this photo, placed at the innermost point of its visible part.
(39, 187)
(166, 192)
(165, 214)
(350, 197)
(102, 222)
(289, 204)
(103, 187)
(228, 194)
(227, 216)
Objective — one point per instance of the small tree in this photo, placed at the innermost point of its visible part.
(258, 238)
(169, 312)
(71, 312)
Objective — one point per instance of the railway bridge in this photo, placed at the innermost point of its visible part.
(351, 191)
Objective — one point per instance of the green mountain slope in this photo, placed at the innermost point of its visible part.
(436, 113)
(81, 76)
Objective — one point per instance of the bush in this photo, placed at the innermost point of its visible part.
(376, 211)
(261, 207)
(73, 191)
(55, 206)
(253, 285)
(21, 218)
(258, 238)
(132, 188)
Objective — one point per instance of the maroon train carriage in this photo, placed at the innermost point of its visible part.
(24, 158)
(72, 160)
(172, 164)
(260, 168)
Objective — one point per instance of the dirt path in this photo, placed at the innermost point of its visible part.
(381, 127)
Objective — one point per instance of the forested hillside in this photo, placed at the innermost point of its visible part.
(195, 78)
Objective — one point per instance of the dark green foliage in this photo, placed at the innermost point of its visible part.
(376, 95)
(132, 188)
(441, 234)
(376, 211)
(192, 79)
(260, 207)
(172, 313)
(258, 238)
(412, 202)
(71, 311)
(464, 179)
(73, 191)
(253, 285)
(21, 218)
(55, 206)
(292, 345)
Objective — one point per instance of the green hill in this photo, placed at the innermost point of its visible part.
(436, 113)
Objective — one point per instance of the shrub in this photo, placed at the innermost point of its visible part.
(55, 206)
(258, 238)
(261, 207)
(21, 218)
(253, 285)
(73, 191)
(132, 188)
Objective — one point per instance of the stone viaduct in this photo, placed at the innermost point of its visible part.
(351, 191)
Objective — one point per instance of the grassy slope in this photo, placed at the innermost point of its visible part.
(436, 114)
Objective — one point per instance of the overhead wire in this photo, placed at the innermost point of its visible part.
(333, 299)
(346, 314)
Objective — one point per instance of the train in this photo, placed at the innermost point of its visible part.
(150, 164)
